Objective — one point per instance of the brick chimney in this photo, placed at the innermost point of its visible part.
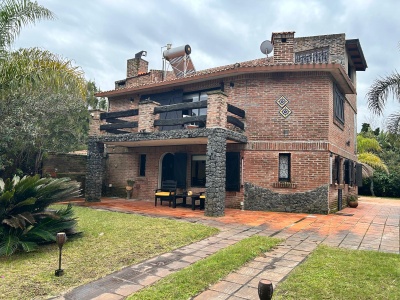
(283, 46)
(137, 65)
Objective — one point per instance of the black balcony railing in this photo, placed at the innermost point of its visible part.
(313, 56)
(116, 123)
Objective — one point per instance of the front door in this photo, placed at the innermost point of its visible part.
(173, 167)
(167, 172)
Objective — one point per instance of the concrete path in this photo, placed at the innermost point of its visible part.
(374, 225)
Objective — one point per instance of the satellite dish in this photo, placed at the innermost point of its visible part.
(266, 47)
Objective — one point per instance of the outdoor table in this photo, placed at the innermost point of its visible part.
(194, 198)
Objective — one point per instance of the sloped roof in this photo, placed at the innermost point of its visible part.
(260, 65)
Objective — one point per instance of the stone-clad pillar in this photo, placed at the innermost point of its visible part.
(215, 173)
(94, 171)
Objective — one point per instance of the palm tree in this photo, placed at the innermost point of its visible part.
(378, 95)
(14, 14)
(367, 147)
(29, 71)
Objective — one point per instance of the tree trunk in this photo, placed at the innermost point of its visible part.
(38, 161)
(371, 187)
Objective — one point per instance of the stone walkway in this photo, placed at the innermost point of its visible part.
(374, 225)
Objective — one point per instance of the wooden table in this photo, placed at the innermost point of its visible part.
(194, 198)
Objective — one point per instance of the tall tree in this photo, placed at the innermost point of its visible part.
(38, 90)
(368, 147)
(378, 95)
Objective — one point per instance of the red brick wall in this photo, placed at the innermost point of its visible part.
(309, 133)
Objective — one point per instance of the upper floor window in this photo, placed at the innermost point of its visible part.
(338, 104)
(284, 167)
(195, 97)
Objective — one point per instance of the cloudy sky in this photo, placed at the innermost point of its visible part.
(100, 35)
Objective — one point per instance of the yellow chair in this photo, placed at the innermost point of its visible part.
(167, 192)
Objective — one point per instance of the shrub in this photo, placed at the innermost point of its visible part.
(25, 220)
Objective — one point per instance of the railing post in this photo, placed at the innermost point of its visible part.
(217, 109)
(95, 122)
(147, 116)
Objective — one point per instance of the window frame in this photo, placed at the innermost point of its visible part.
(338, 105)
(142, 165)
(283, 179)
(193, 182)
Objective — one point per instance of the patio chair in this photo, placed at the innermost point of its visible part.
(167, 192)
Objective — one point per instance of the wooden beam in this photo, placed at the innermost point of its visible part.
(112, 120)
(119, 114)
(180, 106)
(115, 131)
(182, 121)
(119, 126)
(235, 121)
(236, 110)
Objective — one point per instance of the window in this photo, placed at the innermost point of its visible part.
(198, 170)
(338, 104)
(195, 97)
(284, 167)
(232, 172)
(142, 165)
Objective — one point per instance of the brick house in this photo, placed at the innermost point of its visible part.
(276, 133)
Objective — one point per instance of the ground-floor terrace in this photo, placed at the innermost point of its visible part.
(373, 225)
(232, 171)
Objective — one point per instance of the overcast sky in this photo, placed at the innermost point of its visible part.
(100, 35)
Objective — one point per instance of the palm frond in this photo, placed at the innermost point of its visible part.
(373, 161)
(14, 14)
(393, 123)
(34, 68)
(365, 144)
(380, 90)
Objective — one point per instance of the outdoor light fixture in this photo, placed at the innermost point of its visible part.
(60, 239)
(265, 289)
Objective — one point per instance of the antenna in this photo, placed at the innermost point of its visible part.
(266, 47)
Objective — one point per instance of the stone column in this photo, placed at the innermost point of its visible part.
(147, 116)
(94, 171)
(215, 173)
(216, 109)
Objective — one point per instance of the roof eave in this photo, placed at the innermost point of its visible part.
(335, 69)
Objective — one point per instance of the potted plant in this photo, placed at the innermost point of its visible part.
(352, 201)
(129, 188)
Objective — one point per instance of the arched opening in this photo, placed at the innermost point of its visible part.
(167, 167)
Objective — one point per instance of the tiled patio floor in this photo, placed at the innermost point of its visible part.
(374, 225)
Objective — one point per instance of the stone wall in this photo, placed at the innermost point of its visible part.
(258, 198)
(60, 165)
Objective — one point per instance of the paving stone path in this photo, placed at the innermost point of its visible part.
(372, 226)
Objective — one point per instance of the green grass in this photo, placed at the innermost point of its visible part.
(110, 241)
(190, 281)
(334, 273)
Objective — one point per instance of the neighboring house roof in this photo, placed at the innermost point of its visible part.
(261, 65)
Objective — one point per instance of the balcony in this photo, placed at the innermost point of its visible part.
(151, 117)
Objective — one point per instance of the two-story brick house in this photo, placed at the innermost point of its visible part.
(276, 133)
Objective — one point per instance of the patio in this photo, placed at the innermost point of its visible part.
(374, 225)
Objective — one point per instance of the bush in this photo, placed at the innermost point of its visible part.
(25, 220)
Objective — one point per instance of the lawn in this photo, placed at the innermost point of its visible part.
(197, 277)
(335, 273)
(110, 241)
